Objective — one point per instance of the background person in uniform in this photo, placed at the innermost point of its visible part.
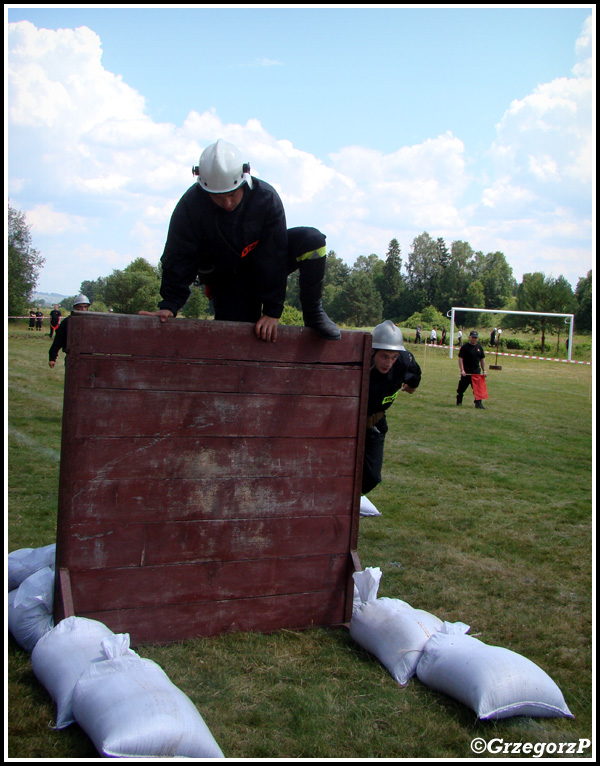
(81, 303)
(229, 231)
(471, 363)
(393, 369)
(54, 319)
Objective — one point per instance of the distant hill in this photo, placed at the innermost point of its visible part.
(48, 299)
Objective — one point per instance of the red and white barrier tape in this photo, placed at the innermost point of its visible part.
(520, 356)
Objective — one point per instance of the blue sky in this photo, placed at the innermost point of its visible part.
(373, 123)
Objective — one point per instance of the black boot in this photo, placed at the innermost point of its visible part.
(479, 405)
(459, 400)
(312, 273)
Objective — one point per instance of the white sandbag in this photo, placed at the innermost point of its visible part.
(129, 708)
(493, 681)
(24, 562)
(366, 584)
(30, 609)
(61, 656)
(15, 567)
(395, 633)
(367, 508)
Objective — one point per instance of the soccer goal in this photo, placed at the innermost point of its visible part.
(451, 313)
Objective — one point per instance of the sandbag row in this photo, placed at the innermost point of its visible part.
(126, 704)
(493, 681)
(30, 608)
(24, 562)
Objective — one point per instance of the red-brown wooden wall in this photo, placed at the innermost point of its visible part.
(209, 481)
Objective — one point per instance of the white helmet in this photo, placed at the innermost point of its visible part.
(388, 337)
(81, 298)
(222, 168)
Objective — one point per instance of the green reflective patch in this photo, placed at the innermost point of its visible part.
(313, 254)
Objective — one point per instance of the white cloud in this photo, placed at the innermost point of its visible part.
(584, 48)
(89, 160)
(553, 126)
(44, 219)
(418, 185)
(264, 61)
(49, 77)
(544, 167)
(91, 131)
(537, 206)
(147, 240)
(504, 196)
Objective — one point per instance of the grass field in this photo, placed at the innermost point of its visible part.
(486, 519)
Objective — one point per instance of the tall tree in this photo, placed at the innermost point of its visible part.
(583, 294)
(358, 303)
(197, 305)
(336, 272)
(423, 269)
(336, 275)
(391, 287)
(23, 263)
(133, 289)
(443, 253)
(455, 275)
(475, 298)
(541, 294)
(93, 289)
(369, 264)
(496, 276)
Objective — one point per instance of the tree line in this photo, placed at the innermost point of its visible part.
(434, 278)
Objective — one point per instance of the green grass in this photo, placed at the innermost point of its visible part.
(486, 519)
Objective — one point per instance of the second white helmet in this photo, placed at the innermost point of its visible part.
(80, 299)
(387, 337)
(222, 169)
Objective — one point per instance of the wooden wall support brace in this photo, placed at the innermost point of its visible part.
(63, 597)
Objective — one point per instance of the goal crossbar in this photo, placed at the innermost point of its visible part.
(451, 313)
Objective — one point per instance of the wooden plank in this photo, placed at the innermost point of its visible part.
(98, 546)
(359, 457)
(134, 587)
(151, 499)
(140, 336)
(63, 596)
(170, 415)
(134, 373)
(164, 624)
(205, 458)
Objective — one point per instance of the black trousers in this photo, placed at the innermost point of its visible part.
(373, 459)
(239, 301)
(463, 384)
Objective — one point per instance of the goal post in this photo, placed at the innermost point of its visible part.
(454, 309)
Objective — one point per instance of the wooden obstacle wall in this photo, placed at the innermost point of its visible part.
(209, 481)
